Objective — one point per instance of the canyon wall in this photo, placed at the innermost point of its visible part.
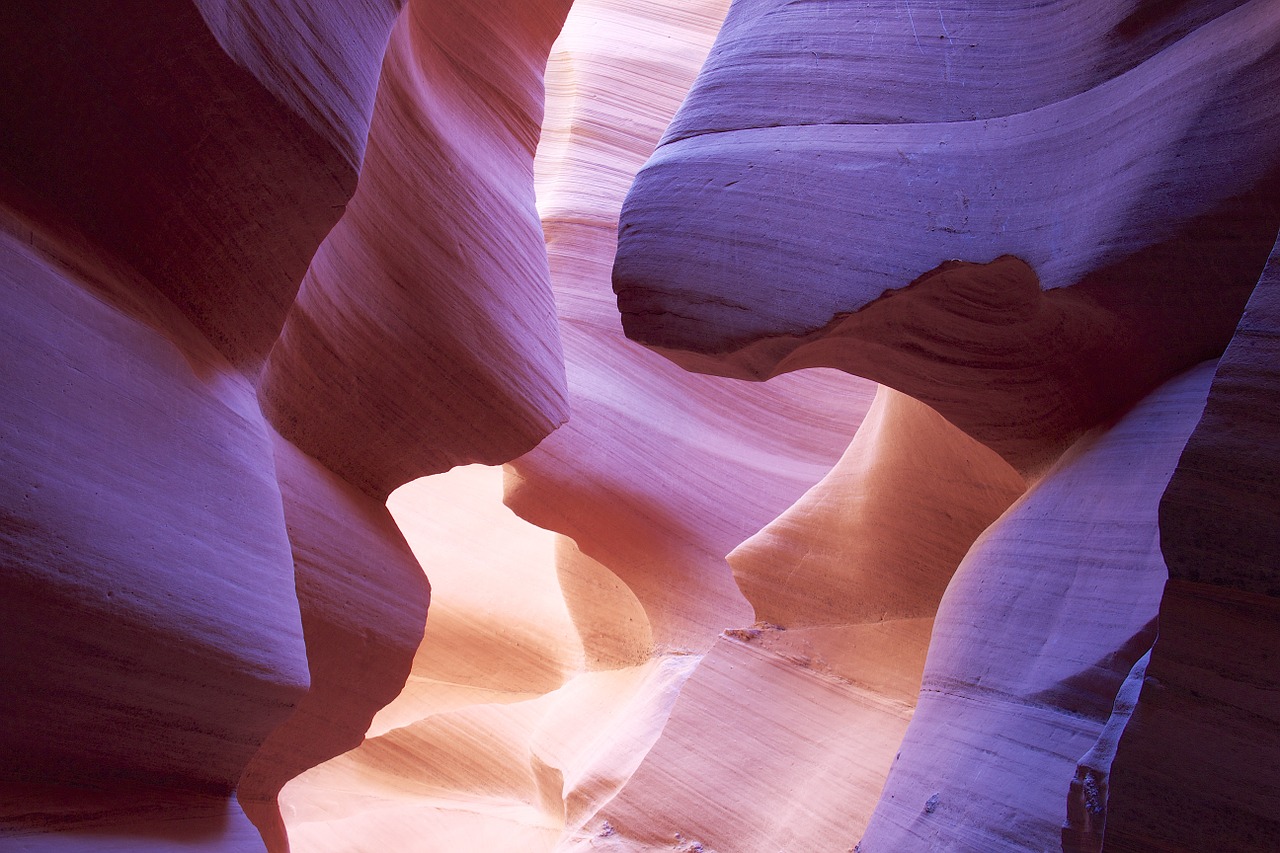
(216, 372)
(525, 715)
(271, 269)
(1048, 234)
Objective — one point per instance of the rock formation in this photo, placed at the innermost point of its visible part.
(1044, 619)
(200, 600)
(435, 280)
(1196, 767)
(522, 719)
(271, 268)
(896, 193)
(1109, 217)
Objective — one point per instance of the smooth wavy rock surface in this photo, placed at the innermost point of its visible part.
(196, 609)
(502, 739)
(117, 678)
(802, 713)
(550, 664)
(1196, 770)
(659, 473)
(1132, 202)
(1042, 623)
(922, 61)
(1028, 228)
(878, 539)
(808, 752)
(264, 264)
(414, 330)
(363, 600)
(320, 58)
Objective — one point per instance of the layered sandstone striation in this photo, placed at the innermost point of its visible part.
(436, 277)
(502, 738)
(201, 600)
(265, 264)
(362, 598)
(1196, 768)
(709, 479)
(117, 677)
(1110, 209)
(550, 664)
(1047, 245)
(1041, 624)
(803, 712)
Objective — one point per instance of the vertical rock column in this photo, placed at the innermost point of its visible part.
(1037, 631)
(1197, 766)
(423, 337)
(160, 200)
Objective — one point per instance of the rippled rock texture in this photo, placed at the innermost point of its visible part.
(1048, 234)
(215, 372)
(550, 668)
(987, 564)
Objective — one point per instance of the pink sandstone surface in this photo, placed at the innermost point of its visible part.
(195, 609)
(408, 296)
(1032, 259)
(265, 264)
(1128, 206)
(558, 705)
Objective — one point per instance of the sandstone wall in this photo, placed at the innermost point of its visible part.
(203, 594)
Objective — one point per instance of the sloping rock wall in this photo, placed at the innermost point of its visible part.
(1195, 769)
(200, 600)
(265, 263)
(1046, 234)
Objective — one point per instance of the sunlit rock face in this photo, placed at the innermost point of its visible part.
(203, 594)
(659, 473)
(1121, 188)
(270, 268)
(550, 668)
(1048, 234)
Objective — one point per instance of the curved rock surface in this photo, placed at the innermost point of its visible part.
(501, 739)
(362, 598)
(413, 329)
(878, 539)
(1042, 623)
(844, 584)
(320, 58)
(549, 666)
(924, 61)
(1196, 768)
(1031, 258)
(719, 459)
(114, 672)
(194, 607)
(1133, 205)
(265, 262)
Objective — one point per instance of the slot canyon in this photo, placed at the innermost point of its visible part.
(712, 426)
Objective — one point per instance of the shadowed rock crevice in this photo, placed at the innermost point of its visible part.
(182, 164)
